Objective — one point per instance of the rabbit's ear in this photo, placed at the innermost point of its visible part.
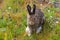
(34, 8)
(29, 9)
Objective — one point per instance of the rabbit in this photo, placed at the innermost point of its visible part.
(35, 20)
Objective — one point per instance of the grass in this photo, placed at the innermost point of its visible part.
(13, 22)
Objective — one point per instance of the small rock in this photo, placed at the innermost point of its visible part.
(9, 7)
(48, 10)
(57, 21)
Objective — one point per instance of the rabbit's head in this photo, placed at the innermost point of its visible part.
(31, 14)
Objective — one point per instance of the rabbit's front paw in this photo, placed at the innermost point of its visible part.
(38, 29)
(28, 31)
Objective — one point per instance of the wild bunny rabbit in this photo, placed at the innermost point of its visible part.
(35, 20)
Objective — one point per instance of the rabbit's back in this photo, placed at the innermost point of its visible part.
(39, 16)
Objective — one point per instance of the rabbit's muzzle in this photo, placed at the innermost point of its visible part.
(31, 20)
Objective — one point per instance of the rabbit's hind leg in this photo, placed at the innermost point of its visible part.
(39, 29)
(28, 31)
